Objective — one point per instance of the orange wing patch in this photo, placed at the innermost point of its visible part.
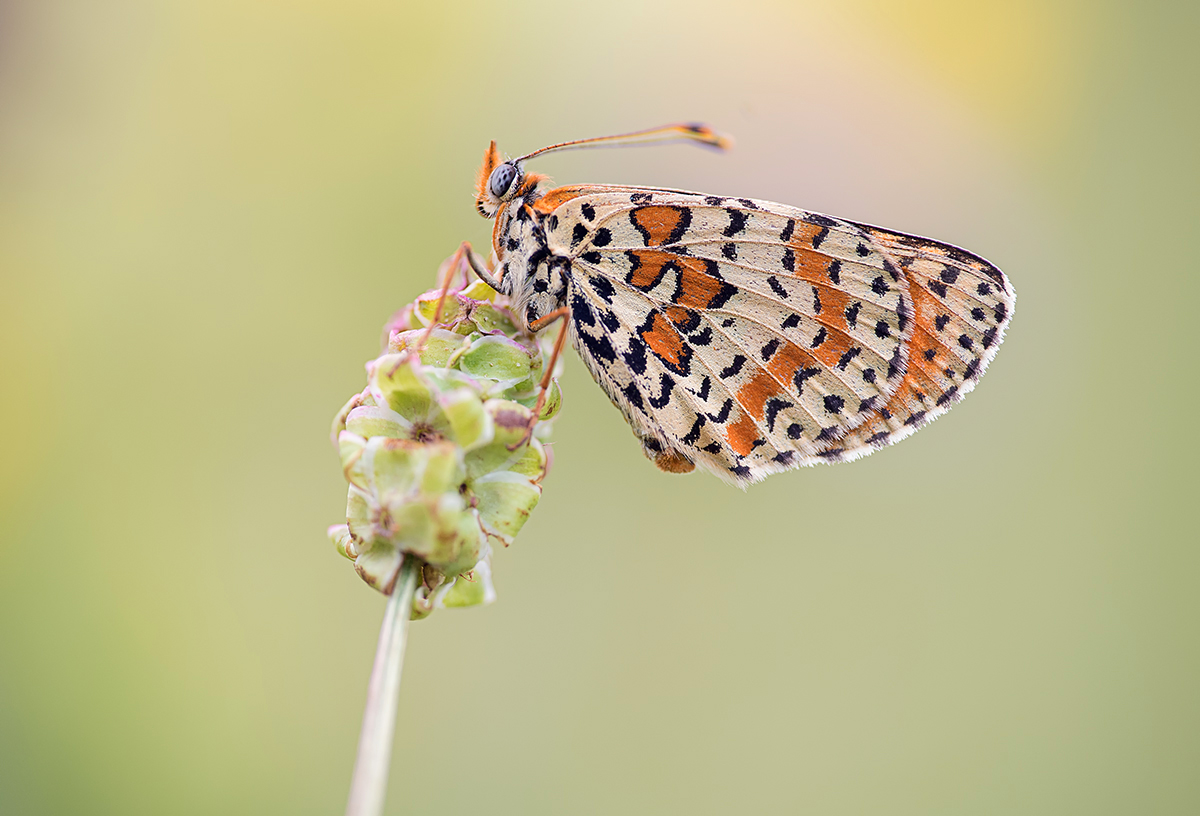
(809, 264)
(665, 342)
(697, 289)
(556, 198)
(742, 435)
(660, 224)
(755, 392)
(789, 360)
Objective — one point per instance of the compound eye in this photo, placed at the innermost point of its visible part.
(502, 178)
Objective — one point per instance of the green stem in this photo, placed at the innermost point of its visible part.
(369, 786)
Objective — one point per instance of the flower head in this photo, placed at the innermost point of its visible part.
(437, 448)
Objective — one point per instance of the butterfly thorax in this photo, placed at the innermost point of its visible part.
(535, 278)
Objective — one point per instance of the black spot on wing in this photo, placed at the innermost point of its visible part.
(685, 221)
(850, 354)
(802, 375)
(948, 395)
(664, 397)
(737, 223)
(734, 367)
(635, 356)
(581, 311)
(634, 396)
(599, 347)
(723, 415)
(852, 314)
(602, 287)
(820, 220)
(896, 364)
(771, 410)
(693, 435)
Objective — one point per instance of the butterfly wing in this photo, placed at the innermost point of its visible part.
(750, 337)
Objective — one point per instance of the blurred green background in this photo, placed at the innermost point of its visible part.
(209, 207)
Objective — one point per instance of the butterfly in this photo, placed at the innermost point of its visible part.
(741, 336)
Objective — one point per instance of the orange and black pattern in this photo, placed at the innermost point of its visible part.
(743, 336)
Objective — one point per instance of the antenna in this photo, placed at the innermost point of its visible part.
(694, 132)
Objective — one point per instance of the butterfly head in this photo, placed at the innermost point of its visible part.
(498, 182)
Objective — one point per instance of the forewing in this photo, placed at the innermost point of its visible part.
(754, 336)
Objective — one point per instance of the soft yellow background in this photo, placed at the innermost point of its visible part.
(209, 207)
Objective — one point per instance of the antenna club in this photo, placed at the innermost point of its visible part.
(703, 133)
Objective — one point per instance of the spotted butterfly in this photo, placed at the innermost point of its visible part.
(742, 336)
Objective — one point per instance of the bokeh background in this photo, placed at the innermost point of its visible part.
(209, 207)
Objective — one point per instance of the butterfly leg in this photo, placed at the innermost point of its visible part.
(480, 269)
(547, 375)
(448, 269)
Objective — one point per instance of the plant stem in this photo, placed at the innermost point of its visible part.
(369, 786)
